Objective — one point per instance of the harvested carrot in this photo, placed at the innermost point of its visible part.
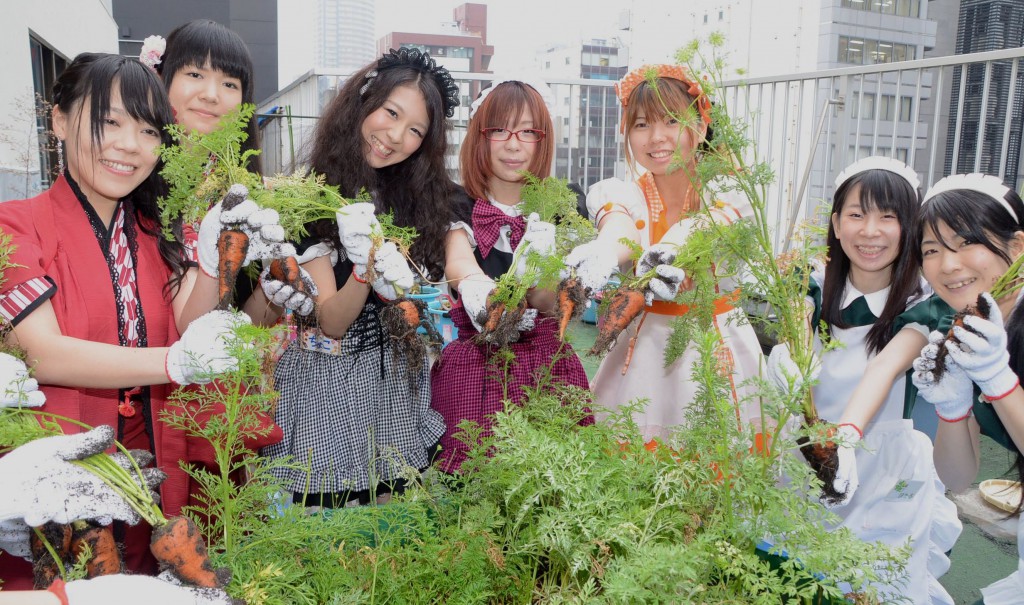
(179, 547)
(495, 309)
(46, 569)
(232, 246)
(287, 270)
(410, 312)
(571, 297)
(981, 309)
(622, 309)
(106, 557)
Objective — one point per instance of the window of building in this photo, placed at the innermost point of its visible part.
(567, 60)
(604, 62)
(705, 18)
(47, 65)
(860, 51)
(547, 65)
(906, 109)
(721, 15)
(902, 154)
(887, 108)
(565, 121)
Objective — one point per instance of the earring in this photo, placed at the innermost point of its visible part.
(60, 157)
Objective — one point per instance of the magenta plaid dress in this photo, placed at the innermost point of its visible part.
(464, 386)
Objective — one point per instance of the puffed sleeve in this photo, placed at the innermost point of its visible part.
(615, 195)
(26, 285)
(727, 207)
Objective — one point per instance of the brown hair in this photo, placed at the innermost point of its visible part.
(671, 94)
(503, 106)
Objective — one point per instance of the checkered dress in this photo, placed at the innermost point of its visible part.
(351, 419)
(466, 387)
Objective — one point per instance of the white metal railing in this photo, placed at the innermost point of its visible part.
(960, 113)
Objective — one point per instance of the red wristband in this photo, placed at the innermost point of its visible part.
(356, 277)
(57, 588)
(1006, 394)
(954, 420)
(860, 433)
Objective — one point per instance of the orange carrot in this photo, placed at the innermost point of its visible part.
(410, 312)
(180, 548)
(495, 310)
(106, 558)
(232, 246)
(622, 309)
(45, 569)
(570, 296)
(287, 270)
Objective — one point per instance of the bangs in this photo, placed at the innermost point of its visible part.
(509, 100)
(142, 96)
(886, 191)
(208, 45)
(652, 103)
(966, 215)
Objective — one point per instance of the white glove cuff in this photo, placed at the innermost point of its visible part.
(1000, 385)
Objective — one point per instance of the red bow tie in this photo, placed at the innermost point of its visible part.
(487, 223)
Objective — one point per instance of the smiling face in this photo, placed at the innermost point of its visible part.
(870, 239)
(120, 161)
(200, 96)
(963, 270)
(653, 141)
(511, 156)
(395, 130)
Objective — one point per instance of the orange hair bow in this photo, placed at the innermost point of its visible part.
(624, 87)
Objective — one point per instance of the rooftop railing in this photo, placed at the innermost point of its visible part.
(962, 113)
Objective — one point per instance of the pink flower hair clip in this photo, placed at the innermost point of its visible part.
(152, 53)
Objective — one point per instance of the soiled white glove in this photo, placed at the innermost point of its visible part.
(356, 223)
(17, 388)
(473, 293)
(40, 484)
(527, 321)
(984, 356)
(394, 277)
(287, 296)
(665, 286)
(594, 264)
(846, 474)
(125, 589)
(783, 371)
(953, 394)
(539, 237)
(262, 225)
(202, 352)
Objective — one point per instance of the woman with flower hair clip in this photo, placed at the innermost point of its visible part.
(352, 410)
(508, 133)
(971, 231)
(872, 300)
(656, 210)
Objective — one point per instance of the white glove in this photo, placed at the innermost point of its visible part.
(202, 352)
(125, 589)
(17, 388)
(846, 481)
(286, 296)
(527, 321)
(394, 277)
(539, 237)
(783, 371)
(262, 225)
(356, 223)
(666, 285)
(594, 263)
(953, 394)
(40, 484)
(473, 293)
(983, 356)
(14, 538)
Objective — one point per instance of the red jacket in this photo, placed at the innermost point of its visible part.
(54, 239)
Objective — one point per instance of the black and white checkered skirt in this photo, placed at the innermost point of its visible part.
(352, 419)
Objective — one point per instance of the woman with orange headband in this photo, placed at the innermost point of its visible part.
(656, 209)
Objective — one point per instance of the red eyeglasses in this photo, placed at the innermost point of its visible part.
(526, 135)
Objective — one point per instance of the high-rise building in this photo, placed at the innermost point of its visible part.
(254, 20)
(986, 25)
(586, 117)
(344, 34)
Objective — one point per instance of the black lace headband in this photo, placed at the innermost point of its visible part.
(421, 62)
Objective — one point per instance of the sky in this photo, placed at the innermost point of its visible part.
(516, 28)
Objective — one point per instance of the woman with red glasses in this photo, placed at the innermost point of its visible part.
(508, 129)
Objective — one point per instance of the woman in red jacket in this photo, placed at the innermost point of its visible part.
(96, 290)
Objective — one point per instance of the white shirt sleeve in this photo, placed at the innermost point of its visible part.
(612, 195)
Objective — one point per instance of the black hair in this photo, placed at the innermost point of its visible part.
(208, 44)
(90, 78)
(980, 219)
(888, 192)
(417, 190)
